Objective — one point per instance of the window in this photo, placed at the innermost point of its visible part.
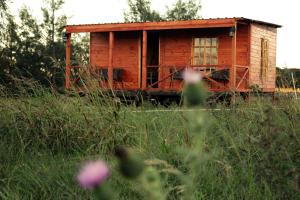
(205, 51)
(264, 65)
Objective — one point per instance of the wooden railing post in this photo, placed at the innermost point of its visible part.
(233, 62)
(110, 59)
(144, 61)
(68, 62)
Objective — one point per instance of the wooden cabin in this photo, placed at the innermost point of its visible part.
(232, 54)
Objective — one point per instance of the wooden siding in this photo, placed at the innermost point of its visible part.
(176, 52)
(125, 56)
(243, 52)
(99, 50)
(242, 55)
(257, 33)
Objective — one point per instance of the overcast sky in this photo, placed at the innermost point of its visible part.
(283, 12)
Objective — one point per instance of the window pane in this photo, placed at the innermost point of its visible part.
(208, 55)
(205, 51)
(201, 56)
(196, 41)
(214, 56)
(208, 42)
(202, 42)
(264, 58)
(214, 42)
(196, 51)
(196, 61)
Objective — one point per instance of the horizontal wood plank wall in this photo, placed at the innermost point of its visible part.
(125, 56)
(243, 54)
(258, 32)
(175, 52)
(99, 50)
(99, 45)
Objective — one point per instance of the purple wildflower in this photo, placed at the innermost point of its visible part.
(93, 174)
(191, 77)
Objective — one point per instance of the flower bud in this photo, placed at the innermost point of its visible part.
(130, 165)
(104, 193)
(194, 91)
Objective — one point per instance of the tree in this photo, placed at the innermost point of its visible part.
(52, 28)
(140, 11)
(8, 50)
(52, 25)
(184, 10)
(8, 42)
(31, 50)
(21, 56)
(3, 7)
(3, 15)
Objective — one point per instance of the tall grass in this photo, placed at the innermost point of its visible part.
(251, 151)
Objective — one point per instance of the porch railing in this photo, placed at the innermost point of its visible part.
(166, 74)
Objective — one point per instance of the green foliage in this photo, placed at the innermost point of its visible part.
(3, 8)
(52, 25)
(192, 95)
(140, 11)
(3, 26)
(184, 10)
(284, 78)
(30, 50)
(25, 53)
(3, 13)
(9, 50)
(247, 152)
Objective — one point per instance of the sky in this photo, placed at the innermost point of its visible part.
(283, 12)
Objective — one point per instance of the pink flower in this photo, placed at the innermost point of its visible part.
(191, 77)
(93, 174)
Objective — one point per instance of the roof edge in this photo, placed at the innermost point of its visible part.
(259, 22)
(164, 25)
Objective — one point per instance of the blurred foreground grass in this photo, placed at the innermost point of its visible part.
(253, 150)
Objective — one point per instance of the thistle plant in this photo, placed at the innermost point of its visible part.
(146, 177)
(130, 165)
(93, 176)
(195, 96)
(151, 177)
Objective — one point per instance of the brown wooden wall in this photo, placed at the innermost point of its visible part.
(257, 33)
(176, 51)
(242, 56)
(125, 56)
(99, 50)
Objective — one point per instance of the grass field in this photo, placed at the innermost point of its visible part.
(250, 151)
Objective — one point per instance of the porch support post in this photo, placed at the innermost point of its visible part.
(233, 62)
(110, 58)
(144, 61)
(68, 62)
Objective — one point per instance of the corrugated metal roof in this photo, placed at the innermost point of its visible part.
(236, 18)
(260, 22)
